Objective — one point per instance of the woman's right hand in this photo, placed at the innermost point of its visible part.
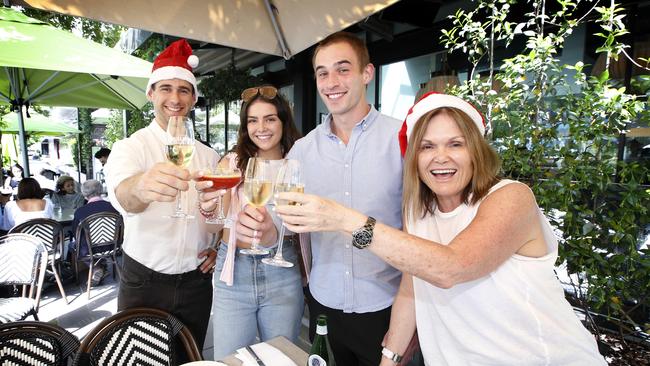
(208, 198)
(256, 222)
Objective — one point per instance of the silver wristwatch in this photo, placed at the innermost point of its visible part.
(362, 237)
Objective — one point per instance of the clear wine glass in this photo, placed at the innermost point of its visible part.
(221, 178)
(258, 188)
(179, 150)
(289, 179)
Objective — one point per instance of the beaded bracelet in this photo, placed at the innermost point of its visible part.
(207, 214)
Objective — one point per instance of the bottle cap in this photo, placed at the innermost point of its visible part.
(321, 324)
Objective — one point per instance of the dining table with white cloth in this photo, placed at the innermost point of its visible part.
(278, 351)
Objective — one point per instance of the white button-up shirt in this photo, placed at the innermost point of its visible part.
(163, 244)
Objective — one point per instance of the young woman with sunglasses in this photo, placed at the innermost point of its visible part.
(251, 297)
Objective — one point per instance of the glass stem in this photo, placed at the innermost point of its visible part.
(178, 202)
(254, 242)
(221, 216)
(278, 252)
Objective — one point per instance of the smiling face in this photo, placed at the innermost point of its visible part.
(341, 81)
(172, 97)
(264, 128)
(444, 161)
(17, 172)
(68, 186)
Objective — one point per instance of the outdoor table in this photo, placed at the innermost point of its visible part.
(295, 353)
(64, 217)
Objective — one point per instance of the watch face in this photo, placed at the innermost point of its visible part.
(361, 238)
(364, 237)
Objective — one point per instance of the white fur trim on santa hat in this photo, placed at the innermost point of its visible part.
(173, 72)
(433, 101)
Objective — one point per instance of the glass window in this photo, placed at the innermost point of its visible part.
(199, 124)
(218, 126)
(400, 82)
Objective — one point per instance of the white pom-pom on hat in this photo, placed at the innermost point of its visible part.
(193, 61)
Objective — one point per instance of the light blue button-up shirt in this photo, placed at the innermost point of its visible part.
(366, 175)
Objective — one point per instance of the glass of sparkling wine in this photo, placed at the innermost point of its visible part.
(258, 188)
(179, 150)
(289, 179)
(221, 178)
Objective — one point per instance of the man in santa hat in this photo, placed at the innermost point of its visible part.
(167, 261)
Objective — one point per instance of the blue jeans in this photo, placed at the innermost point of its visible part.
(263, 298)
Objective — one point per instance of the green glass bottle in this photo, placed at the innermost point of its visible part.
(321, 352)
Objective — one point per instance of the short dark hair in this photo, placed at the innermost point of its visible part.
(29, 188)
(153, 86)
(102, 153)
(355, 42)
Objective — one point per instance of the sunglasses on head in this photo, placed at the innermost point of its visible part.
(267, 92)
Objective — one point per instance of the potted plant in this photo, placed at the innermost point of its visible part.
(556, 128)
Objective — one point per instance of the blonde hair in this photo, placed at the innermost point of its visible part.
(418, 199)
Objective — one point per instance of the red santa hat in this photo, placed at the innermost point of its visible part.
(429, 102)
(175, 62)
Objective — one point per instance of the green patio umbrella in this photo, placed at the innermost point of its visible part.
(43, 65)
(36, 124)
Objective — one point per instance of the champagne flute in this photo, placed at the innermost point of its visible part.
(289, 179)
(258, 188)
(179, 150)
(221, 178)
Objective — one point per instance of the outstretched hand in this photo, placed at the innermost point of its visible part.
(208, 197)
(162, 183)
(314, 213)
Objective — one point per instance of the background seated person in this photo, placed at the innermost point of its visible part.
(29, 205)
(17, 174)
(65, 196)
(92, 191)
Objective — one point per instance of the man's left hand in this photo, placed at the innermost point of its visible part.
(210, 260)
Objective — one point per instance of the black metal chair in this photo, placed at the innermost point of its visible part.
(102, 234)
(36, 343)
(23, 262)
(141, 336)
(51, 233)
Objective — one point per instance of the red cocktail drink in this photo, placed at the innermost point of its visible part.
(221, 181)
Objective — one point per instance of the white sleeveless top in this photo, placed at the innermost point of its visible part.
(515, 315)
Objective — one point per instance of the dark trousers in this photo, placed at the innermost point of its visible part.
(188, 296)
(355, 337)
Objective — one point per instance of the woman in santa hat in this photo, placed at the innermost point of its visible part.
(477, 253)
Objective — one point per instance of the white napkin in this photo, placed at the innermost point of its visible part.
(204, 363)
(270, 355)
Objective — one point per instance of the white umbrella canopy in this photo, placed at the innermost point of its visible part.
(275, 27)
